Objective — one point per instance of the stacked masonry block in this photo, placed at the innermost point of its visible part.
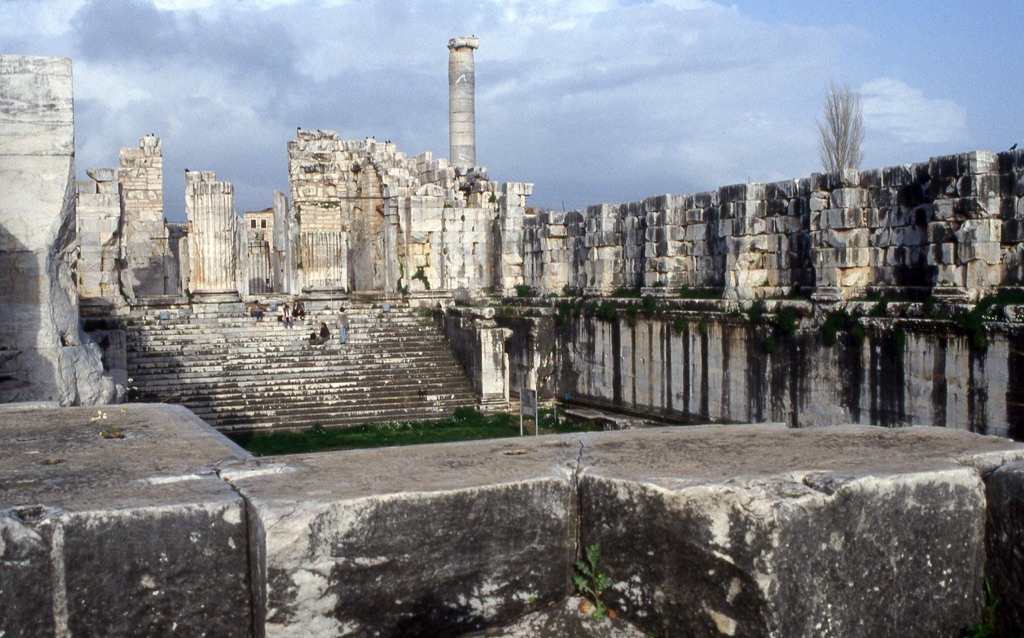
(511, 252)
(840, 237)
(145, 236)
(98, 227)
(634, 237)
(1012, 214)
(601, 273)
(966, 191)
(411, 223)
(547, 233)
(952, 226)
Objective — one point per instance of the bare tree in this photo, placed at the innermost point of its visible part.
(841, 129)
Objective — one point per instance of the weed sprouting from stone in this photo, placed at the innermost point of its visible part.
(111, 431)
(525, 291)
(678, 324)
(842, 321)
(756, 312)
(987, 627)
(786, 321)
(591, 582)
(702, 328)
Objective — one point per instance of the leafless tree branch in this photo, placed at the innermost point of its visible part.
(841, 129)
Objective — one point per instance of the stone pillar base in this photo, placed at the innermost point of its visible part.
(492, 405)
(217, 303)
(655, 291)
(951, 294)
(827, 294)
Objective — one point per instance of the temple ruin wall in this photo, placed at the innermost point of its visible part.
(953, 225)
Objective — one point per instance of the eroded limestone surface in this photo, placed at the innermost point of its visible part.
(132, 536)
(430, 540)
(704, 531)
(44, 355)
(848, 531)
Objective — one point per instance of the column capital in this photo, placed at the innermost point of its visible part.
(463, 42)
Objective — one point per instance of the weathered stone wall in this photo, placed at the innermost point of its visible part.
(479, 344)
(44, 355)
(99, 239)
(411, 223)
(953, 225)
(698, 536)
(145, 236)
(719, 366)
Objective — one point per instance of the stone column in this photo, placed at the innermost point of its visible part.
(461, 109)
(214, 231)
(286, 234)
(324, 261)
(493, 370)
(44, 355)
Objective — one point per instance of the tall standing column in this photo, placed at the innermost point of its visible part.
(214, 236)
(461, 110)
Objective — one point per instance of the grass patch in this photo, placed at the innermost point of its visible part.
(686, 292)
(466, 425)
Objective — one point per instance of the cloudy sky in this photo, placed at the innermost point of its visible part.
(591, 100)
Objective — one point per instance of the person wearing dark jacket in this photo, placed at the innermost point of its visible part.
(319, 340)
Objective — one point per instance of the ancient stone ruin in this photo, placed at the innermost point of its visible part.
(44, 356)
(852, 300)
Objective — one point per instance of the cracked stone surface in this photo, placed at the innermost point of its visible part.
(420, 541)
(46, 356)
(704, 531)
(849, 531)
(119, 537)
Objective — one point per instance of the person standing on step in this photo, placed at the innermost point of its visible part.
(286, 315)
(342, 326)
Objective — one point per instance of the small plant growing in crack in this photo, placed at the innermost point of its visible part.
(987, 627)
(107, 432)
(591, 582)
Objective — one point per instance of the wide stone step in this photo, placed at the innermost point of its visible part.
(185, 361)
(263, 374)
(239, 373)
(303, 391)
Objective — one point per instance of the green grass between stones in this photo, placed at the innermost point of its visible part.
(466, 425)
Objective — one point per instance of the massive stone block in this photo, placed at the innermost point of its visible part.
(839, 532)
(43, 353)
(350, 544)
(122, 536)
(704, 531)
(1005, 545)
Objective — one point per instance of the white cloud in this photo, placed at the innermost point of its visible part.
(593, 100)
(895, 108)
(36, 17)
(115, 87)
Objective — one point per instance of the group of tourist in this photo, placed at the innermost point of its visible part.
(316, 339)
(291, 312)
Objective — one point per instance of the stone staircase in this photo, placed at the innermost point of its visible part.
(240, 375)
